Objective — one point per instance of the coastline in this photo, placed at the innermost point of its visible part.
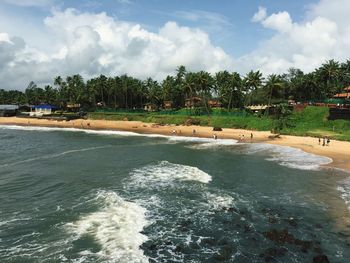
(338, 151)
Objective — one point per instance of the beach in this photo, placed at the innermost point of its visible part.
(338, 151)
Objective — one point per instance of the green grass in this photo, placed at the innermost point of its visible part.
(310, 122)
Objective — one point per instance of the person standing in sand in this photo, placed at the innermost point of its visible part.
(194, 132)
(328, 141)
(251, 136)
(319, 141)
(324, 141)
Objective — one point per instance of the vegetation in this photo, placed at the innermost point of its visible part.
(312, 121)
(124, 96)
(231, 89)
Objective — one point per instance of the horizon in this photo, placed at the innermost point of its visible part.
(152, 39)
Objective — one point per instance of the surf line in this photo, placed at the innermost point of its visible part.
(55, 155)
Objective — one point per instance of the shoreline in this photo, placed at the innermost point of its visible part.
(338, 151)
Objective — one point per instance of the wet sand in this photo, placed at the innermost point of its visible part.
(338, 151)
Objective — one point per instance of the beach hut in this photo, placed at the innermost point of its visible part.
(73, 107)
(168, 104)
(150, 107)
(214, 103)
(193, 102)
(8, 110)
(343, 95)
(41, 110)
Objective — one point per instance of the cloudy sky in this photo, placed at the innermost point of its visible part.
(41, 39)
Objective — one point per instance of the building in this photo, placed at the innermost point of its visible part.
(41, 110)
(344, 95)
(214, 103)
(8, 110)
(73, 107)
(168, 104)
(193, 102)
(150, 107)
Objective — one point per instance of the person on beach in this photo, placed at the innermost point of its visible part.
(251, 136)
(328, 141)
(174, 132)
(194, 132)
(215, 136)
(319, 141)
(324, 141)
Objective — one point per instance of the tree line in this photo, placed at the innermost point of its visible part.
(231, 89)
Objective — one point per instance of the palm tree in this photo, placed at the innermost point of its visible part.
(273, 84)
(252, 81)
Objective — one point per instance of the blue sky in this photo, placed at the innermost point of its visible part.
(211, 35)
(228, 23)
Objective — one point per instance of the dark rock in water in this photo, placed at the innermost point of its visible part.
(247, 228)
(208, 241)
(305, 245)
(225, 253)
(320, 259)
(318, 249)
(273, 252)
(272, 220)
(292, 221)
(280, 237)
(223, 241)
(179, 249)
(184, 225)
(149, 246)
(230, 209)
(269, 259)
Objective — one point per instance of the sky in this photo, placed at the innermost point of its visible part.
(42, 39)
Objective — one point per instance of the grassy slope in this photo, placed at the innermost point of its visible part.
(312, 122)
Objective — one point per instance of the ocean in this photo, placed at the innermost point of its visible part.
(68, 195)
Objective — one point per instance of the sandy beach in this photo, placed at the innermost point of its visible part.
(338, 151)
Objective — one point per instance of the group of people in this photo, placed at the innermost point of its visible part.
(242, 138)
(325, 141)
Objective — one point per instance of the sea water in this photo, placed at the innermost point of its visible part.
(69, 195)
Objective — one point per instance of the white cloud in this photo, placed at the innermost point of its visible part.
(323, 35)
(260, 15)
(92, 44)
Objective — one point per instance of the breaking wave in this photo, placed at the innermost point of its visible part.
(165, 173)
(289, 156)
(116, 227)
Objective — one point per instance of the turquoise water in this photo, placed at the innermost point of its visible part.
(99, 196)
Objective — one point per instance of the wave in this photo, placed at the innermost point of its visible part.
(50, 156)
(288, 156)
(165, 173)
(117, 228)
(284, 155)
(344, 189)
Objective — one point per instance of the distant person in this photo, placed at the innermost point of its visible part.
(215, 136)
(174, 132)
(194, 132)
(324, 141)
(251, 136)
(319, 141)
(328, 141)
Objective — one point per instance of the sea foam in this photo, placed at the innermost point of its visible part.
(289, 156)
(344, 189)
(117, 228)
(165, 173)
